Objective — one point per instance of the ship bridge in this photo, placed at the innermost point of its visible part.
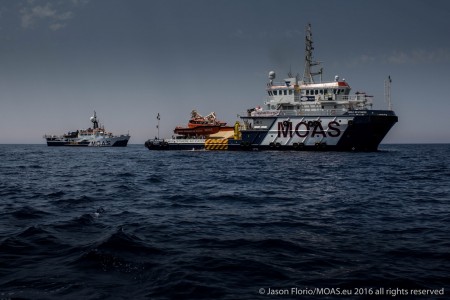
(294, 97)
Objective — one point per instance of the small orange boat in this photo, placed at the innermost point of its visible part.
(201, 126)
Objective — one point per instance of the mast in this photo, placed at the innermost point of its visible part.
(94, 120)
(308, 74)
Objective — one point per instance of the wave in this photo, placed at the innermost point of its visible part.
(32, 242)
(78, 222)
(28, 212)
(119, 251)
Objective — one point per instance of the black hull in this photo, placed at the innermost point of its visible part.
(366, 132)
(161, 145)
(122, 143)
(65, 144)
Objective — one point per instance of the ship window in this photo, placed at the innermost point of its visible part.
(316, 92)
(275, 92)
(285, 92)
(290, 92)
(325, 91)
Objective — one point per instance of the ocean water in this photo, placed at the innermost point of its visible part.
(128, 223)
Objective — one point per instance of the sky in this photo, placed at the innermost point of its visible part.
(131, 59)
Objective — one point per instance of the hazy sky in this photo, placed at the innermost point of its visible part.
(132, 59)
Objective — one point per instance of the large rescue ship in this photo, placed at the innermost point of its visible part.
(96, 136)
(302, 114)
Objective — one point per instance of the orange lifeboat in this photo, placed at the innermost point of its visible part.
(201, 126)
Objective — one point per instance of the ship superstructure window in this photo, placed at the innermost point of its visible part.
(275, 92)
(285, 92)
(290, 92)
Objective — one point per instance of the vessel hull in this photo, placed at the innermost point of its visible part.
(171, 144)
(121, 141)
(352, 131)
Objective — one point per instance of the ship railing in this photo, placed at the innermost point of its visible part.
(354, 98)
(289, 84)
(321, 112)
(182, 141)
(298, 112)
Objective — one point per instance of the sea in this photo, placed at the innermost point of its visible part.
(129, 223)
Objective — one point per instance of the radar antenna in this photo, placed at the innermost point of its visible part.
(94, 120)
(308, 75)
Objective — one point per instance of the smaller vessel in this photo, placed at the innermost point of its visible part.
(96, 136)
(200, 131)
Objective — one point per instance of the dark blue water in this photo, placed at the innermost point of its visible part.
(98, 223)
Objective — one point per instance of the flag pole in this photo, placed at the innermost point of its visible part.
(157, 126)
(387, 92)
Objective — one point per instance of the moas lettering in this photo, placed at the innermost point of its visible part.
(106, 143)
(310, 128)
